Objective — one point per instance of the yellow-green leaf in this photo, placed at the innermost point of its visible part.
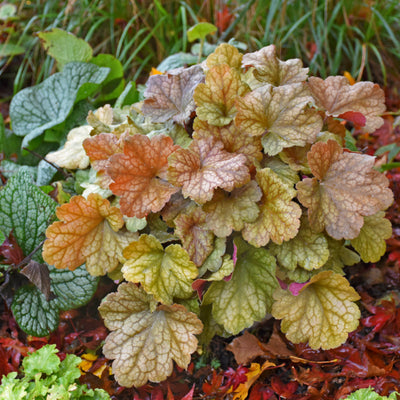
(165, 273)
(279, 217)
(230, 211)
(370, 243)
(308, 249)
(225, 54)
(215, 99)
(322, 314)
(280, 115)
(143, 343)
(247, 297)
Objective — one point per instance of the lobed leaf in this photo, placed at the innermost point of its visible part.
(225, 54)
(139, 174)
(234, 140)
(203, 167)
(337, 96)
(322, 314)
(269, 69)
(230, 211)
(345, 189)
(247, 297)
(370, 243)
(215, 99)
(197, 239)
(170, 96)
(87, 232)
(307, 249)
(101, 147)
(279, 217)
(143, 344)
(280, 115)
(164, 273)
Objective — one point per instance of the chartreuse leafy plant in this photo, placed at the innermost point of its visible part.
(370, 394)
(44, 376)
(227, 187)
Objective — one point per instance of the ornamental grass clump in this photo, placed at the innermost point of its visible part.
(225, 195)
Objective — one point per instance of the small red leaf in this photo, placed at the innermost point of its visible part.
(353, 116)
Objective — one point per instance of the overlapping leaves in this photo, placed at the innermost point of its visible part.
(204, 164)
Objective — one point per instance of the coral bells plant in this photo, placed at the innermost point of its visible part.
(225, 195)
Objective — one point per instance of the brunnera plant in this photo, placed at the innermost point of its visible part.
(225, 195)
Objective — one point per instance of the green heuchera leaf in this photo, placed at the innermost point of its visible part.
(200, 31)
(165, 273)
(322, 314)
(37, 108)
(144, 343)
(65, 47)
(247, 297)
(25, 210)
(370, 394)
(38, 317)
(308, 249)
(370, 243)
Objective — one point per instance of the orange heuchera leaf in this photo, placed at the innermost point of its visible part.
(87, 232)
(345, 189)
(234, 140)
(101, 147)
(215, 99)
(279, 217)
(280, 115)
(170, 96)
(140, 174)
(337, 96)
(230, 211)
(196, 238)
(269, 69)
(204, 166)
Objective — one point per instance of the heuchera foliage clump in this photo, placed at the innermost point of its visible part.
(225, 195)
